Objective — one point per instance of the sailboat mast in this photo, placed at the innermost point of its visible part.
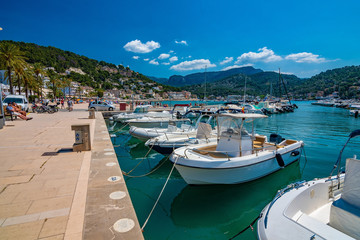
(279, 84)
(245, 90)
(205, 84)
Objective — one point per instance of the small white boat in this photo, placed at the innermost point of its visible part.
(139, 112)
(354, 110)
(151, 122)
(166, 143)
(237, 156)
(327, 208)
(145, 134)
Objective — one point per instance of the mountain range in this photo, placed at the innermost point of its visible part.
(198, 78)
(345, 81)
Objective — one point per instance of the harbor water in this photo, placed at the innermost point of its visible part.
(221, 211)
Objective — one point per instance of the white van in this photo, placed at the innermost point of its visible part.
(19, 100)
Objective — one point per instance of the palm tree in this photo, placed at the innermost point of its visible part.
(39, 72)
(53, 80)
(29, 81)
(19, 73)
(10, 58)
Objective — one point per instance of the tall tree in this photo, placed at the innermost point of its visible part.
(10, 58)
(29, 81)
(39, 72)
(54, 80)
(19, 74)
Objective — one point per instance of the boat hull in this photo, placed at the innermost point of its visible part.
(156, 123)
(301, 209)
(234, 174)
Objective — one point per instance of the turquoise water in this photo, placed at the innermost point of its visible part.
(219, 212)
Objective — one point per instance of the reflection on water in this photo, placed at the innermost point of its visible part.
(206, 206)
(221, 211)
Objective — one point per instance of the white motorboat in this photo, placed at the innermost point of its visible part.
(237, 156)
(139, 112)
(166, 143)
(354, 110)
(145, 134)
(151, 122)
(327, 208)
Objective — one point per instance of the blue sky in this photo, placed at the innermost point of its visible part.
(163, 38)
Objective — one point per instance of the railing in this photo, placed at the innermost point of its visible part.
(206, 152)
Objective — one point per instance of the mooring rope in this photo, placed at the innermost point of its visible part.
(250, 226)
(303, 148)
(126, 173)
(162, 190)
(121, 128)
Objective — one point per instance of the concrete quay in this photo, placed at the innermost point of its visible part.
(47, 191)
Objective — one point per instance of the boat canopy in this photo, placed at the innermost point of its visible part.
(241, 115)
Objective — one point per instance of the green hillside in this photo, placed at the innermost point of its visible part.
(345, 80)
(97, 74)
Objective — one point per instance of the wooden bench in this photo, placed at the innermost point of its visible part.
(7, 114)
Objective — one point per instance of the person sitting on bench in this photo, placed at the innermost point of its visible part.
(17, 108)
(11, 110)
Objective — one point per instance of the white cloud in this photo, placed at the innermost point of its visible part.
(263, 55)
(146, 59)
(164, 56)
(183, 42)
(305, 57)
(138, 47)
(171, 51)
(154, 62)
(237, 66)
(192, 65)
(173, 59)
(226, 60)
(135, 57)
(165, 63)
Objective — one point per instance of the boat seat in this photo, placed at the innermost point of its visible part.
(321, 229)
(345, 212)
(259, 140)
(345, 217)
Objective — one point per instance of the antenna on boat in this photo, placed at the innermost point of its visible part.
(353, 134)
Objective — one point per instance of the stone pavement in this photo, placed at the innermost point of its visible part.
(44, 193)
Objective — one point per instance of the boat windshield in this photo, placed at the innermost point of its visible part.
(141, 109)
(233, 125)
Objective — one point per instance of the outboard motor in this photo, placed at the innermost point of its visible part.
(275, 138)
